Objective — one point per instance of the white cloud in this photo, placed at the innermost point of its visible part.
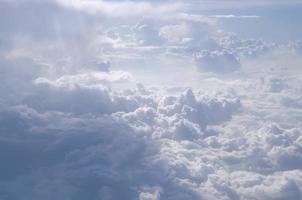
(140, 143)
(218, 62)
(76, 124)
(87, 79)
(120, 8)
(235, 16)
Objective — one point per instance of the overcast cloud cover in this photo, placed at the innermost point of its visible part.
(150, 100)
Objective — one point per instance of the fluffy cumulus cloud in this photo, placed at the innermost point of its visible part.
(145, 100)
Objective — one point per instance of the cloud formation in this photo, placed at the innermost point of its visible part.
(218, 62)
(84, 113)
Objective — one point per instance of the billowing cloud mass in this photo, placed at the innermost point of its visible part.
(111, 100)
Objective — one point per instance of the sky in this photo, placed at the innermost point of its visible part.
(150, 100)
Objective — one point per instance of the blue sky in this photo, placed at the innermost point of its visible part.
(150, 100)
(278, 23)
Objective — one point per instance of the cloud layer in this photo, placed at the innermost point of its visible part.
(144, 100)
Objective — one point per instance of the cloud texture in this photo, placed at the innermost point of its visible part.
(83, 115)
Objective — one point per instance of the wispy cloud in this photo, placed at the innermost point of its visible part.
(235, 16)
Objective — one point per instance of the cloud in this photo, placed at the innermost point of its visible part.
(218, 62)
(249, 48)
(275, 85)
(146, 33)
(196, 18)
(235, 16)
(120, 8)
(101, 100)
(86, 79)
(84, 146)
(296, 47)
(83, 141)
(187, 33)
(225, 5)
(181, 118)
